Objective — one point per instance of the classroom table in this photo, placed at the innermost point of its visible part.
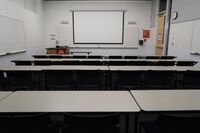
(172, 107)
(61, 104)
(4, 94)
(103, 68)
(69, 101)
(55, 56)
(158, 68)
(62, 59)
(167, 100)
(52, 67)
(22, 68)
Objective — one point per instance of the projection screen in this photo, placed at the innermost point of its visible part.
(98, 27)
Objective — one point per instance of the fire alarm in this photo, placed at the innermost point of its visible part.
(146, 34)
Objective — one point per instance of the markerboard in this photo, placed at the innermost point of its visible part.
(12, 34)
(195, 48)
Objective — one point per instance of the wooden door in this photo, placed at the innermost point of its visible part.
(160, 34)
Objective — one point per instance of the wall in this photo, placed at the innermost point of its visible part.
(33, 27)
(154, 12)
(55, 12)
(181, 31)
(187, 9)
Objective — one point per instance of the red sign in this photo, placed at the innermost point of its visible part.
(146, 34)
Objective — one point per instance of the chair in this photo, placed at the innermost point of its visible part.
(167, 57)
(186, 63)
(67, 57)
(152, 57)
(41, 56)
(94, 57)
(176, 124)
(117, 63)
(57, 63)
(130, 57)
(59, 80)
(55, 56)
(171, 124)
(137, 63)
(71, 62)
(115, 57)
(21, 80)
(89, 123)
(127, 80)
(159, 79)
(27, 123)
(42, 63)
(191, 79)
(160, 63)
(22, 63)
(91, 63)
(79, 56)
(2, 81)
(89, 80)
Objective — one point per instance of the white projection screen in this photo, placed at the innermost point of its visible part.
(98, 27)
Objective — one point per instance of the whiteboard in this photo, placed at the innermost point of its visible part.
(98, 27)
(195, 48)
(12, 34)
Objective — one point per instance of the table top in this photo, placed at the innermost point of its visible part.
(75, 67)
(69, 101)
(159, 68)
(148, 60)
(53, 67)
(4, 94)
(22, 68)
(60, 59)
(168, 100)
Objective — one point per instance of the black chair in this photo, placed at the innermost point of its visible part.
(41, 56)
(94, 57)
(115, 57)
(152, 57)
(22, 63)
(127, 80)
(148, 126)
(171, 124)
(55, 56)
(59, 80)
(160, 63)
(79, 56)
(167, 57)
(130, 57)
(186, 63)
(2, 81)
(176, 124)
(89, 80)
(91, 63)
(91, 123)
(42, 63)
(159, 80)
(71, 62)
(27, 123)
(68, 57)
(137, 63)
(57, 63)
(21, 80)
(191, 79)
(116, 63)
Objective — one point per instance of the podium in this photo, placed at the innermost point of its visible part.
(58, 50)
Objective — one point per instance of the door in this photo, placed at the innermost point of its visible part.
(160, 34)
